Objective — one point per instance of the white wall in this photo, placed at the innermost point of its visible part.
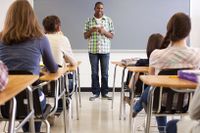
(195, 17)
(4, 5)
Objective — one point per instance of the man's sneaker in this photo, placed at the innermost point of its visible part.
(106, 97)
(92, 98)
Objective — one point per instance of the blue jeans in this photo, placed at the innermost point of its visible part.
(104, 63)
(171, 126)
(161, 120)
(37, 124)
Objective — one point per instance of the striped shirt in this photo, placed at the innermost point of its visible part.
(3, 76)
(98, 43)
(175, 57)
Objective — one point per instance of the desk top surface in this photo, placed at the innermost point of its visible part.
(167, 81)
(118, 63)
(54, 76)
(138, 69)
(16, 84)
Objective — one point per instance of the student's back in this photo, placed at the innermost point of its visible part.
(22, 43)
(26, 55)
(60, 45)
(175, 57)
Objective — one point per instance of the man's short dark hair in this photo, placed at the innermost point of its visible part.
(51, 23)
(98, 3)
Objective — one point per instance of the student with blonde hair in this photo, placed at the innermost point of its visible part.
(22, 43)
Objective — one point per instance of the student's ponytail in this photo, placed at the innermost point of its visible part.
(166, 41)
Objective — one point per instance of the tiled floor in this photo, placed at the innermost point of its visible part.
(97, 117)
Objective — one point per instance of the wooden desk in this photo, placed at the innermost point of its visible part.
(73, 68)
(135, 70)
(52, 76)
(16, 84)
(119, 63)
(59, 92)
(143, 69)
(167, 81)
(76, 79)
(163, 81)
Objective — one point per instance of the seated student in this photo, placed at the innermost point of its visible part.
(60, 46)
(154, 42)
(177, 55)
(3, 76)
(190, 125)
(22, 43)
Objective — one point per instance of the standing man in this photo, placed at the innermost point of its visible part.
(99, 31)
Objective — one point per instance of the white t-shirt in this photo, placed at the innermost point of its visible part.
(60, 47)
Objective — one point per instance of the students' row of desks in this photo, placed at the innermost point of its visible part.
(135, 69)
(169, 81)
(18, 83)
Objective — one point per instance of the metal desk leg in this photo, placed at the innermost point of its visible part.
(79, 86)
(121, 113)
(76, 95)
(31, 121)
(64, 113)
(67, 112)
(149, 109)
(113, 93)
(13, 107)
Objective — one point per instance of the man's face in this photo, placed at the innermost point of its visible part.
(98, 10)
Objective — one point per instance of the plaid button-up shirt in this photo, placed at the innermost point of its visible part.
(98, 43)
(3, 76)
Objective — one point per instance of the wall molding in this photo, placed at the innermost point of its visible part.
(112, 51)
(88, 89)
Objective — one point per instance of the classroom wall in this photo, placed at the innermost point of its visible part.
(4, 5)
(132, 25)
(195, 16)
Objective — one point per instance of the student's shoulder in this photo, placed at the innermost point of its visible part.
(42, 38)
(157, 52)
(195, 49)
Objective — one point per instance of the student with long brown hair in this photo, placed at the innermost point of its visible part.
(22, 43)
(176, 56)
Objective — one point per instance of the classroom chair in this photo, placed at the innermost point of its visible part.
(170, 95)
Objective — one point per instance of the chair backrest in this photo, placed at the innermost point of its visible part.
(170, 96)
(22, 101)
